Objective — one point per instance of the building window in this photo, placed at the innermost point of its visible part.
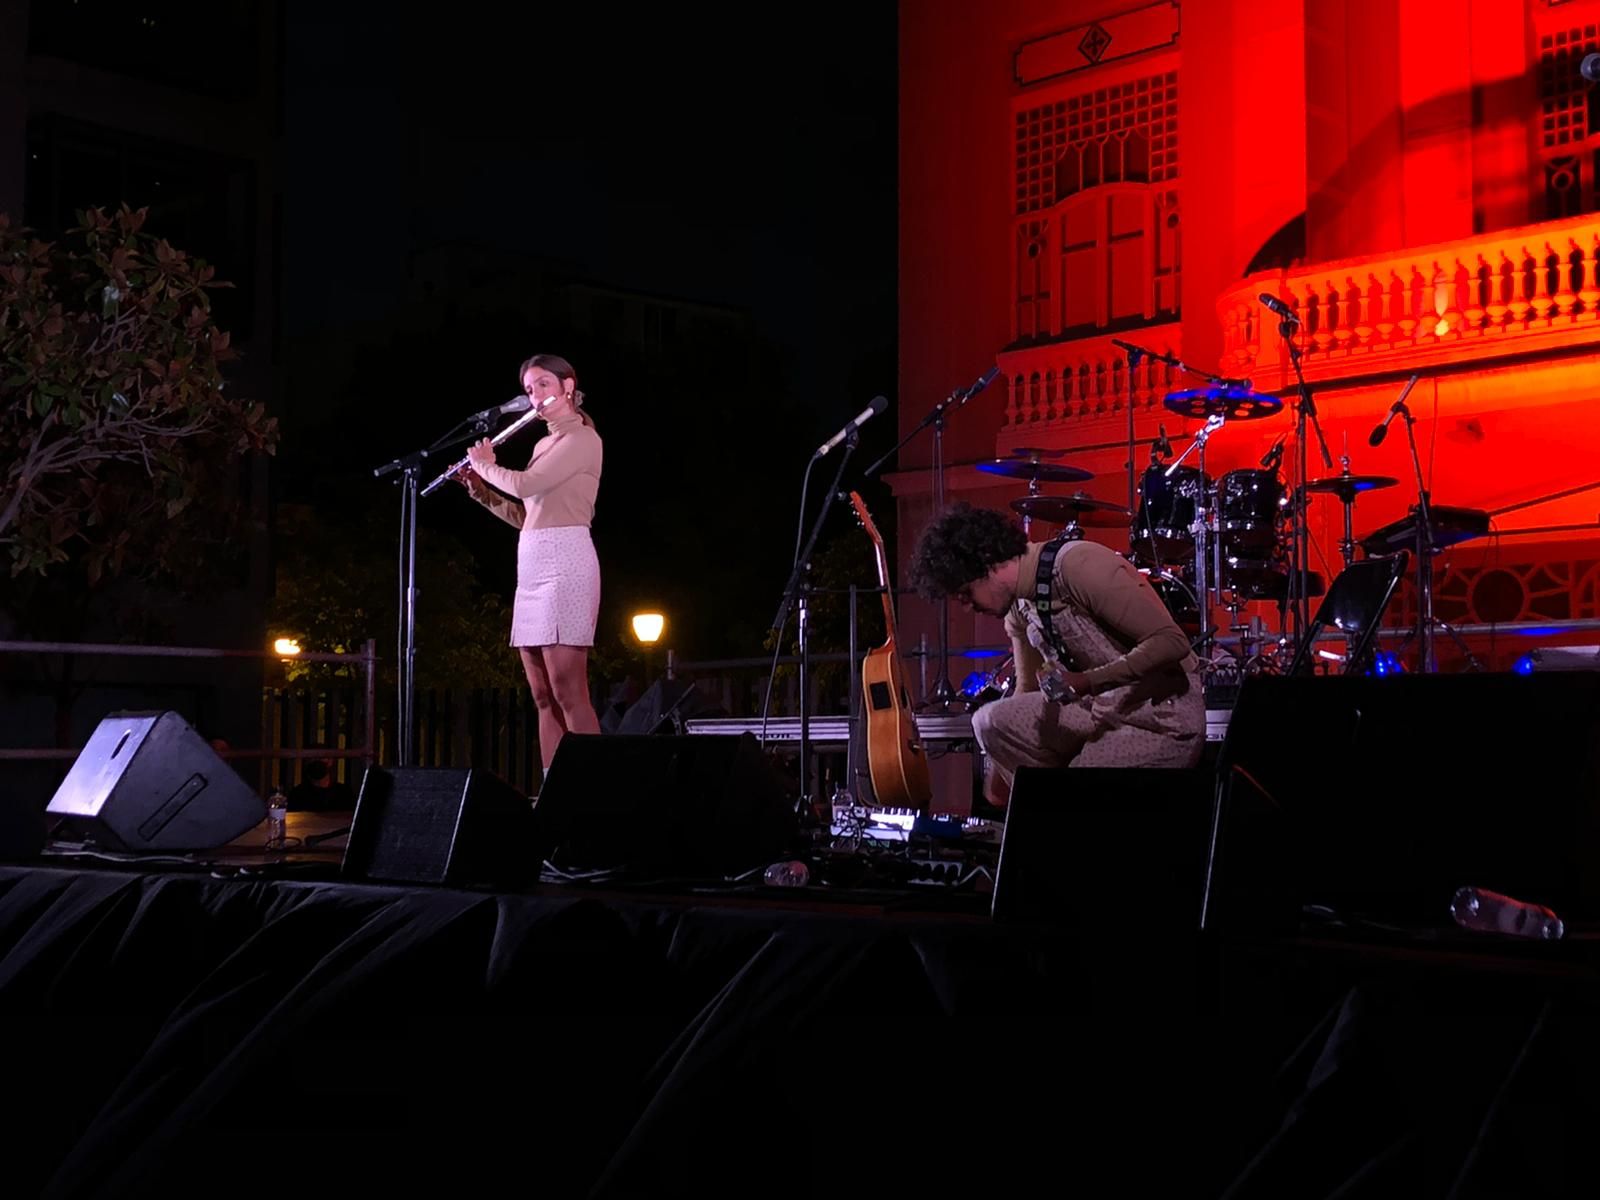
(1569, 123)
(1120, 134)
(1096, 233)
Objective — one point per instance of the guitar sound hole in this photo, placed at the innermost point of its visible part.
(879, 696)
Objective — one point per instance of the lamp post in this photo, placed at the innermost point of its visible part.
(647, 629)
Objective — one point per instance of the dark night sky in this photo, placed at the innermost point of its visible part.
(686, 157)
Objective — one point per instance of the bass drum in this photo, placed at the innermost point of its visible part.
(1178, 598)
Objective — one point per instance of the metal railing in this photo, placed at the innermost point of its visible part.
(367, 660)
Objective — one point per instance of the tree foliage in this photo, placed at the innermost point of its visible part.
(119, 442)
(338, 584)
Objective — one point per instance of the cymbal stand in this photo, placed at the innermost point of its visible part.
(1204, 544)
(1135, 355)
(1347, 498)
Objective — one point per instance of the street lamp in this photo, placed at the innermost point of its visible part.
(286, 647)
(647, 629)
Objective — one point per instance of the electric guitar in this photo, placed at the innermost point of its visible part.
(896, 760)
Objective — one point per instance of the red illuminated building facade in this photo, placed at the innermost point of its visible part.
(1417, 181)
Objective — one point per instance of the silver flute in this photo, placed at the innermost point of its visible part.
(531, 415)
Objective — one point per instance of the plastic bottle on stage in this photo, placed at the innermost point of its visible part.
(277, 819)
(1490, 912)
(790, 873)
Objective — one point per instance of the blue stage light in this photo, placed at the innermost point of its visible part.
(1524, 665)
(1384, 663)
(974, 683)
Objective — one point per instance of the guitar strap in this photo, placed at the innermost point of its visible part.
(1044, 592)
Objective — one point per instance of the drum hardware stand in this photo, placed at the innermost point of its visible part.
(1135, 355)
(1305, 412)
(1251, 633)
(943, 691)
(1347, 499)
(1204, 570)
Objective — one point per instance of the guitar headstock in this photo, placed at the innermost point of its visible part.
(862, 515)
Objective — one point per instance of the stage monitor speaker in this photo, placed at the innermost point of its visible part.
(1118, 852)
(1377, 797)
(461, 826)
(147, 781)
(695, 806)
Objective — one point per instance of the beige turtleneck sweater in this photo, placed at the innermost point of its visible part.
(556, 488)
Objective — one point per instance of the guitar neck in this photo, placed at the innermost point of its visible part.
(888, 596)
(882, 557)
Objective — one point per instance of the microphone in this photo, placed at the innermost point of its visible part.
(1279, 307)
(1398, 407)
(879, 403)
(519, 404)
(1273, 458)
(983, 381)
(1590, 68)
(1160, 448)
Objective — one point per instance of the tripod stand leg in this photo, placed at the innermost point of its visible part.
(1474, 663)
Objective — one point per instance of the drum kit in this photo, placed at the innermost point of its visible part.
(1205, 542)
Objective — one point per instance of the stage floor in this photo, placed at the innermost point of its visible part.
(263, 1026)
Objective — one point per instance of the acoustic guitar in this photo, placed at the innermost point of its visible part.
(896, 760)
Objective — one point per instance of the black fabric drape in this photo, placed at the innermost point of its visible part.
(180, 1034)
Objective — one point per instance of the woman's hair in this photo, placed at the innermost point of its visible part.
(963, 544)
(561, 369)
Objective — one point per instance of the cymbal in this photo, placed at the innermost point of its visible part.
(1237, 404)
(1344, 486)
(1022, 468)
(1062, 510)
(1036, 452)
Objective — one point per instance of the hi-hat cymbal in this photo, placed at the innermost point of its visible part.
(1237, 404)
(1023, 468)
(1063, 510)
(1348, 486)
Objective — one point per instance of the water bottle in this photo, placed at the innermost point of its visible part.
(1490, 912)
(791, 873)
(277, 819)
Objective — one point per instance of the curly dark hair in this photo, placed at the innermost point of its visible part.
(963, 544)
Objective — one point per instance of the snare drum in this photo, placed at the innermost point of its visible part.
(1163, 529)
(1248, 506)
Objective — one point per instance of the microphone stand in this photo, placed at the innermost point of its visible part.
(1424, 549)
(1305, 411)
(410, 468)
(796, 595)
(943, 691)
